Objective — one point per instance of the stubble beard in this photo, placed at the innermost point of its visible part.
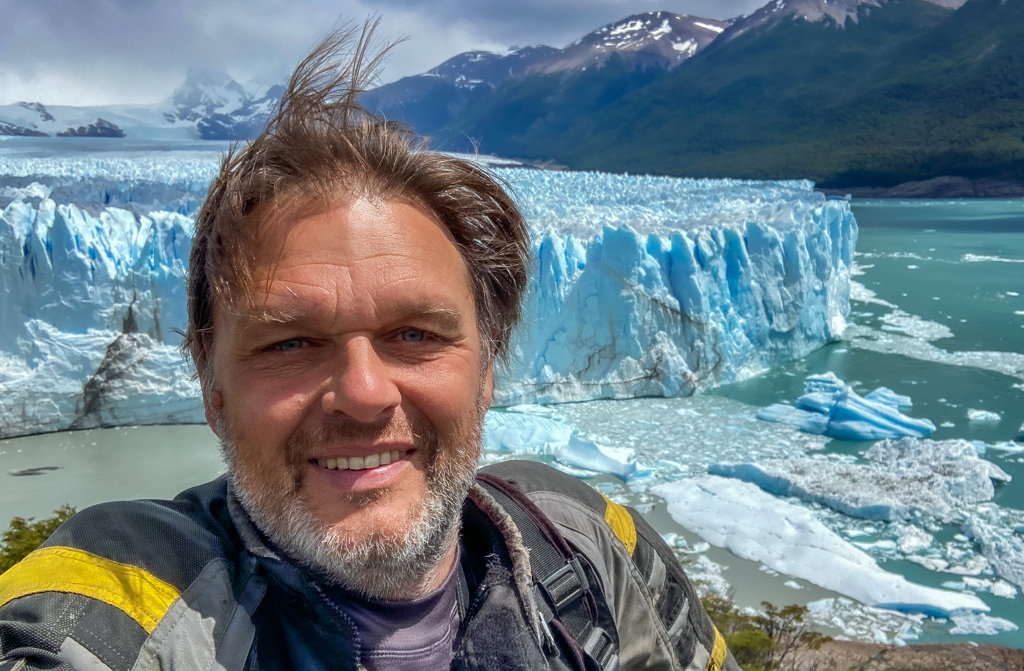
(378, 563)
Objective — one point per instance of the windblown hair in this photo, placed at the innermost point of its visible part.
(321, 147)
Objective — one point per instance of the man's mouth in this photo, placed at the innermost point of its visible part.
(362, 462)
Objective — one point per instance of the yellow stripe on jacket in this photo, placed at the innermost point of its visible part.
(141, 595)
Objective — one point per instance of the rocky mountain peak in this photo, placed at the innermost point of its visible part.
(659, 39)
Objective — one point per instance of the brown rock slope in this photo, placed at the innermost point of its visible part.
(857, 656)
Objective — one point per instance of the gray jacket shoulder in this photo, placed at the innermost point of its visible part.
(661, 622)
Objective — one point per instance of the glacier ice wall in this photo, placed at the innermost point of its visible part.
(641, 286)
(648, 286)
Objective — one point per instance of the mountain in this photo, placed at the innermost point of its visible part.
(838, 12)
(652, 39)
(648, 43)
(905, 90)
(205, 92)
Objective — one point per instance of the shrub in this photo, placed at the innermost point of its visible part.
(25, 535)
(767, 641)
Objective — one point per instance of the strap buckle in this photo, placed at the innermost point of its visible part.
(565, 585)
(601, 648)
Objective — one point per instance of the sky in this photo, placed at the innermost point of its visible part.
(95, 52)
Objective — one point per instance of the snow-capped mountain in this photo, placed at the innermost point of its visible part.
(661, 39)
(473, 68)
(839, 11)
(209, 104)
(203, 93)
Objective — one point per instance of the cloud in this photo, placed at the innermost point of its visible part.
(137, 51)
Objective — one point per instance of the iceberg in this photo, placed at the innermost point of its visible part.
(1003, 548)
(979, 624)
(788, 538)
(983, 415)
(532, 434)
(907, 479)
(830, 407)
(642, 286)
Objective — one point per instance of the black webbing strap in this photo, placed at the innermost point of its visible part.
(561, 585)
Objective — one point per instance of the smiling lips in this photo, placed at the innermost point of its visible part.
(363, 462)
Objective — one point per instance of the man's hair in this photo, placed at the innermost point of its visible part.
(321, 147)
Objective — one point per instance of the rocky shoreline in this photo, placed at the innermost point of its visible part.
(937, 187)
(859, 656)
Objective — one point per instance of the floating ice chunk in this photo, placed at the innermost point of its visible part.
(930, 563)
(978, 624)
(983, 415)
(788, 538)
(911, 539)
(1003, 589)
(524, 433)
(888, 397)
(1003, 549)
(806, 421)
(534, 434)
(829, 407)
(904, 480)
(589, 455)
(1020, 434)
(793, 584)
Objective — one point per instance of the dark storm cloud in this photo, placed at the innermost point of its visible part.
(101, 51)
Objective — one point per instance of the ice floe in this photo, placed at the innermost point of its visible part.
(983, 415)
(788, 538)
(533, 434)
(908, 479)
(979, 624)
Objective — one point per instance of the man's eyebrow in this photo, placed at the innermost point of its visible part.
(443, 316)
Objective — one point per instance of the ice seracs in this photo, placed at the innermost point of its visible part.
(644, 286)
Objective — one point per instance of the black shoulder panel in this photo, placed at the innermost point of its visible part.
(532, 476)
(172, 540)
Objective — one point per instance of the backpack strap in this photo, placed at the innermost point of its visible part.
(565, 584)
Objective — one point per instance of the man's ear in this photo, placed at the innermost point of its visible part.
(213, 402)
(487, 390)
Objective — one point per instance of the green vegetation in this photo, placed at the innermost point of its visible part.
(910, 91)
(768, 641)
(25, 535)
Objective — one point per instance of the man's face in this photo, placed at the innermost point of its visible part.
(349, 394)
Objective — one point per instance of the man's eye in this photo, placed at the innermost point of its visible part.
(412, 335)
(288, 345)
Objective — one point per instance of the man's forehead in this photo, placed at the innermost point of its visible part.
(288, 306)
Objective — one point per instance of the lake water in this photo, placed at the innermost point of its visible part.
(956, 269)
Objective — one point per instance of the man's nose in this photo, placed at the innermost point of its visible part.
(361, 384)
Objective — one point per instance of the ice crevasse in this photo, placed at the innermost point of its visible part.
(640, 286)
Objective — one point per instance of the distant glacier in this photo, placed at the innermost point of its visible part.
(641, 286)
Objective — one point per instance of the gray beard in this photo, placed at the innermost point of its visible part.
(379, 565)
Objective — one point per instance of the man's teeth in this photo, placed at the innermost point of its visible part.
(359, 463)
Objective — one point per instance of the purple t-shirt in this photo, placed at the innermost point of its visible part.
(405, 635)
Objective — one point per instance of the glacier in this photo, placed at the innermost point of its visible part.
(641, 286)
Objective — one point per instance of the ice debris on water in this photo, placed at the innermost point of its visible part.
(991, 527)
(830, 407)
(790, 539)
(983, 415)
(534, 434)
(979, 624)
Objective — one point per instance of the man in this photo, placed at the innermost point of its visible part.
(349, 294)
